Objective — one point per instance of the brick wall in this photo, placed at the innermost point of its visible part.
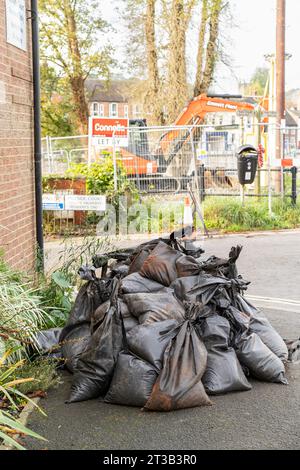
(17, 220)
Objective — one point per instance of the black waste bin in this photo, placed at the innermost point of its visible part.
(247, 159)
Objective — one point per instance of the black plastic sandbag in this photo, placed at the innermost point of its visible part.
(263, 328)
(259, 359)
(201, 288)
(160, 265)
(187, 266)
(74, 342)
(150, 341)
(179, 382)
(119, 269)
(95, 366)
(135, 283)
(132, 381)
(92, 294)
(129, 320)
(223, 267)
(99, 315)
(149, 308)
(47, 342)
(223, 372)
(138, 260)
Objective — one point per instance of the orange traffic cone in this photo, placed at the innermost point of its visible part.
(188, 218)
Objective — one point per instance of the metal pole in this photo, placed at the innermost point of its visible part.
(37, 134)
(115, 163)
(294, 172)
(280, 81)
(90, 146)
(269, 186)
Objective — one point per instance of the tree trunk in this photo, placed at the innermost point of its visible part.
(201, 48)
(212, 46)
(76, 73)
(153, 94)
(177, 81)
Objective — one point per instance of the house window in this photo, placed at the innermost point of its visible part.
(95, 109)
(101, 110)
(113, 110)
(126, 110)
(136, 110)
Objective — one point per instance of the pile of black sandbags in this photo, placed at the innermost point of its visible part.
(164, 328)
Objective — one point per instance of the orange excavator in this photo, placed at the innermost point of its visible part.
(151, 165)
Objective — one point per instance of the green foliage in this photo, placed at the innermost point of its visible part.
(9, 424)
(21, 314)
(258, 81)
(57, 291)
(44, 375)
(231, 216)
(11, 383)
(57, 110)
(100, 179)
(71, 33)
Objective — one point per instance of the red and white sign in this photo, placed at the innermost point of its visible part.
(109, 127)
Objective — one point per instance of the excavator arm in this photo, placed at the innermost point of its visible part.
(194, 115)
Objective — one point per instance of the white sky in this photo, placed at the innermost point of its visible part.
(255, 36)
(251, 38)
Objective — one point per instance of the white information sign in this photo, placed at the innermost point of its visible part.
(53, 202)
(85, 203)
(16, 23)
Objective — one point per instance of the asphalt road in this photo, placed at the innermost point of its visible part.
(267, 417)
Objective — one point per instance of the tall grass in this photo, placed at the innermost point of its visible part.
(21, 315)
(229, 215)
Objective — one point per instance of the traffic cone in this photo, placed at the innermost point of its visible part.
(188, 218)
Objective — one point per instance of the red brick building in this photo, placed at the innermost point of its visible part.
(116, 99)
(17, 218)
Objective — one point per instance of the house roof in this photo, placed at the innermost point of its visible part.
(102, 91)
(292, 117)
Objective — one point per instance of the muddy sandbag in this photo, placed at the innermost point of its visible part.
(160, 265)
(132, 381)
(120, 270)
(201, 288)
(263, 328)
(149, 308)
(245, 306)
(99, 315)
(95, 366)
(179, 382)
(47, 342)
(187, 266)
(259, 359)
(223, 267)
(129, 320)
(150, 341)
(138, 260)
(239, 321)
(90, 296)
(74, 342)
(135, 283)
(223, 372)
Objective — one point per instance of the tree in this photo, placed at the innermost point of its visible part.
(177, 16)
(201, 48)
(215, 9)
(258, 81)
(152, 98)
(57, 109)
(70, 38)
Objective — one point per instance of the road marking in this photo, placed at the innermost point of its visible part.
(275, 303)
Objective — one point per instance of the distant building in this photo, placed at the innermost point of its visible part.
(113, 99)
